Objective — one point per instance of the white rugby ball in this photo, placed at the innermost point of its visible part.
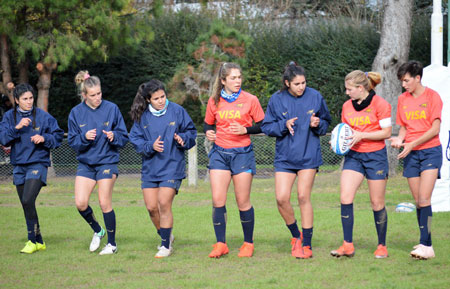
(405, 207)
(339, 142)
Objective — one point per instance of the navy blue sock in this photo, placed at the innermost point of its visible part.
(38, 234)
(110, 224)
(219, 216)
(165, 237)
(88, 215)
(418, 215)
(307, 236)
(347, 221)
(425, 225)
(248, 224)
(381, 219)
(32, 228)
(294, 229)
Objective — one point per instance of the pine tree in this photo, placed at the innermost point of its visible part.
(57, 33)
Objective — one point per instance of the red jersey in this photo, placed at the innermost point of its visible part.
(368, 120)
(244, 110)
(418, 114)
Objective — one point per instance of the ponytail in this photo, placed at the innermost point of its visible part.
(83, 81)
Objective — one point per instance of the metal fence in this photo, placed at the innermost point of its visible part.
(64, 161)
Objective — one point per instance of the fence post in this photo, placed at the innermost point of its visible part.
(192, 163)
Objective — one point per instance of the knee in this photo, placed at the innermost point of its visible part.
(422, 202)
(27, 202)
(282, 203)
(243, 204)
(81, 205)
(377, 205)
(303, 200)
(152, 210)
(105, 206)
(165, 207)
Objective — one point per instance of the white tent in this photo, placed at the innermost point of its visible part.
(437, 77)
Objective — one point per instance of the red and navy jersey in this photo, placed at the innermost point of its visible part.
(245, 110)
(100, 151)
(370, 119)
(418, 114)
(301, 150)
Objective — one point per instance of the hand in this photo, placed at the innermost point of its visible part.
(290, 125)
(91, 134)
(236, 128)
(109, 135)
(178, 139)
(211, 135)
(23, 122)
(314, 122)
(356, 137)
(37, 139)
(396, 142)
(407, 148)
(158, 145)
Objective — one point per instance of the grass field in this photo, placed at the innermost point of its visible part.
(67, 262)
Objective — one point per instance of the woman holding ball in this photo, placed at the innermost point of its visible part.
(369, 116)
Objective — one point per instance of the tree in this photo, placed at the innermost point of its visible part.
(393, 52)
(55, 34)
(220, 44)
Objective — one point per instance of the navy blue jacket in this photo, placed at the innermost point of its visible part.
(23, 150)
(106, 117)
(170, 164)
(301, 150)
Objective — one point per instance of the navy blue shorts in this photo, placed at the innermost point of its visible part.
(292, 171)
(174, 184)
(236, 160)
(21, 173)
(97, 172)
(422, 160)
(373, 165)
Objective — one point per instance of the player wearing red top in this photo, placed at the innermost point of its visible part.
(369, 116)
(419, 116)
(232, 112)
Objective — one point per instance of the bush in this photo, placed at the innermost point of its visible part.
(328, 50)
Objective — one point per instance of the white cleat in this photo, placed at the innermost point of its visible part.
(423, 252)
(108, 250)
(172, 238)
(163, 252)
(96, 239)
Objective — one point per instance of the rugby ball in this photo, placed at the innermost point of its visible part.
(339, 142)
(405, 207)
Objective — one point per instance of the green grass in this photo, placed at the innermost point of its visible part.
(68, 263)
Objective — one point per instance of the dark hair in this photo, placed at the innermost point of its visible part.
(224, 71)
(144, 94)
(412, 67)
(19, 90)
(290, 72)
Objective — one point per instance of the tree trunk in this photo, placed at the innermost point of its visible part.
(393, 52)
(43, 85)
(23, 72)
(6, 67)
